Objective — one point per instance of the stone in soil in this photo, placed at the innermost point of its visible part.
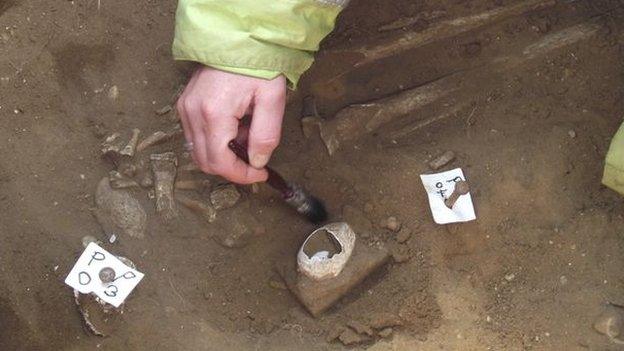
(360, 327)
(318, 296)
(392, 223)
(277, 284)
(236, 227)
(118, 211)
(610, 322)
(224, 197)
(403, 235)
(349, 337)
(386, 333)
(442, 160)
(400, 254)
(334, 332)
(384, 320)
(310, 124)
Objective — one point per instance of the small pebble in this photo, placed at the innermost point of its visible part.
(255, 188)
(360, 327)
(335, 332)
(572, 133)
(349, 337)
(393, 224)
(279, 285)
(509, 277)
(384, 320)
(403, 235)
(88, 239)
(442, 160)
(610, 322)
(224, 197)
(400, 254)
(386, 333)
(113, 92)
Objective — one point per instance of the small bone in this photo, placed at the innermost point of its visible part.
(192, 184)
(157, 138)
(118, 181)
(146, 181)
(130, 148)
(111, 148)
(442, 160)
(164, 110)
(190, 167)
(203, 209)
(404, 41)
(86, 319)
(164, 169)
(153, 139)
(461, 188)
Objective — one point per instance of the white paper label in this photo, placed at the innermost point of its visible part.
(439, 187)
(85, 276)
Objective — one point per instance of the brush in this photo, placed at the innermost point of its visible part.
(294, 195)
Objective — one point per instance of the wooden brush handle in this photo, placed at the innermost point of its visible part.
(275, 180)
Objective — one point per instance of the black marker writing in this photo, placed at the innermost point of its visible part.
(97, 256)
(127, 275)
(455, 180)
(84, 278)
(111, 291)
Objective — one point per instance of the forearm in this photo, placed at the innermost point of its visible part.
(260, 38)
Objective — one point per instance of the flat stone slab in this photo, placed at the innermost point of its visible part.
(318, 296)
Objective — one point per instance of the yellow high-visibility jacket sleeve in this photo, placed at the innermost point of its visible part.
(614, 165)
(260, 38)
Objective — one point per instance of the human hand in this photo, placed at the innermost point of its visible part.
(211, 108)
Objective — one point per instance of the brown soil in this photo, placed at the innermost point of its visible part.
(533, 272)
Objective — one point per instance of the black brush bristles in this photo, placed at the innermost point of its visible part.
(316, 212)
(294, 195)
(306, 204)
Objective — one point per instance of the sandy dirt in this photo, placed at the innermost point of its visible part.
(532, 273)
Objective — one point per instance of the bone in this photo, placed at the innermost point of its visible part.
(190, 167)
(164, 110)
(192, 184)
(111, 147)
(405, 41)
(118, 211)
(461, 188)
(410, 21)
(119, 181)
(164, 170)
(442, 160)
(130, 148)
(206, 211)
(356, 121)
(157, 138)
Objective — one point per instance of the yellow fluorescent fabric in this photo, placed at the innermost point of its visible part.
(614, 165)
(260, 38)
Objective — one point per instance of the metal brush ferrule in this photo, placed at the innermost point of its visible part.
(298, 199)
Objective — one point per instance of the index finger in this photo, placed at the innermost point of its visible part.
(219, 131)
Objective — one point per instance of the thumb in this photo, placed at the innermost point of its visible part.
(266, 126)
